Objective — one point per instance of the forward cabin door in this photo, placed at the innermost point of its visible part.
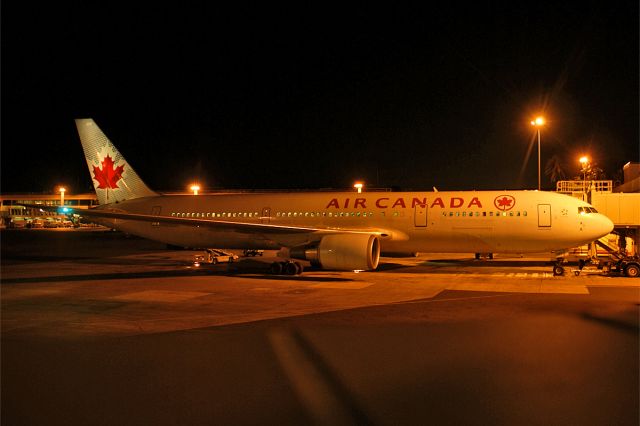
(544, 215)
(420, 216)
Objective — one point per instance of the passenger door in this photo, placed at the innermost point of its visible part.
(544, 215)
(420, 216)
(266, 215)
(155, 211)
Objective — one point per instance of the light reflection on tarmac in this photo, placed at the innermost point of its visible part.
(102, 329)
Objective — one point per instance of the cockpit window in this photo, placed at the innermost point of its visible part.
(586, 210)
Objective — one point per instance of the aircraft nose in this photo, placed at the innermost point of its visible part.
(602, 226)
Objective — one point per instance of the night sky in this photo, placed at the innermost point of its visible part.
(282, 96)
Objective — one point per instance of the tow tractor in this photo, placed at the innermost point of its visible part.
(618, 263)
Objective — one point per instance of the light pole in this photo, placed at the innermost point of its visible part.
(62, 190)
(537, 123)
(585, 166)
(195, 188)
(358, 186)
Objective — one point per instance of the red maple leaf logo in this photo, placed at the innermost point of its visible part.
(505, 203)
(107, 176)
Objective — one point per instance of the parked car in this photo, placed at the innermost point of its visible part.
(36, 223)
(251, 252)
(51, 223)
(215, 256)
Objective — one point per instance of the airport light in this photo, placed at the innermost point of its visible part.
(195, 189)
(62, 190)
(584, 160)
(358, 186)
(537, 123)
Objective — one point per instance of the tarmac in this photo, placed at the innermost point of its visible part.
(102, 328)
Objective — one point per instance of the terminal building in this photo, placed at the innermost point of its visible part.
(14, 215)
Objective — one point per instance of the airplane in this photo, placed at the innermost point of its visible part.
(336, 230)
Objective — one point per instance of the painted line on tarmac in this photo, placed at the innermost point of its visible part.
(321, 393)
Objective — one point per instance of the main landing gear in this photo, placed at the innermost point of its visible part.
(288, 267)
(488, 256)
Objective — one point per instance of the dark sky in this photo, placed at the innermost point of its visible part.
(281, 96)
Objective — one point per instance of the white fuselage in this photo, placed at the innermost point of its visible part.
(462, 221)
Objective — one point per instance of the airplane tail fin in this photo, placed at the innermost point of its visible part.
(113, 178)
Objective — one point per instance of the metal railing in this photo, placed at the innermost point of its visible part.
(575, 186)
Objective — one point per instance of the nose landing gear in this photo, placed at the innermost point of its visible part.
(558, 270)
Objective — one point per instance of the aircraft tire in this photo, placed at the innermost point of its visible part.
(290, 268)
(558, 270)
(276, 268)
(299, 268)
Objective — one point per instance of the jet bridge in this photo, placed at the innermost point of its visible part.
(622, 208)
(624, 211)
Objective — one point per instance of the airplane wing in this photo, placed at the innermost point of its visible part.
(244, 227)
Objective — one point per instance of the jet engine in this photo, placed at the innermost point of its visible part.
(342, 252)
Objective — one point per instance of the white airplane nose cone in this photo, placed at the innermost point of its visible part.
(603, 225)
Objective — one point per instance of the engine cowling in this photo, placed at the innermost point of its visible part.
(342, 252)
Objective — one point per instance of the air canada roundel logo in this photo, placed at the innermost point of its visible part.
(107, 174)
(504, 202)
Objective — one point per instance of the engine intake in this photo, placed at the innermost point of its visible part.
(342, 252)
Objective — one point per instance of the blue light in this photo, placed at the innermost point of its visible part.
(65, 209)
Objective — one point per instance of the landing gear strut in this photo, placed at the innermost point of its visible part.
(289, 267)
